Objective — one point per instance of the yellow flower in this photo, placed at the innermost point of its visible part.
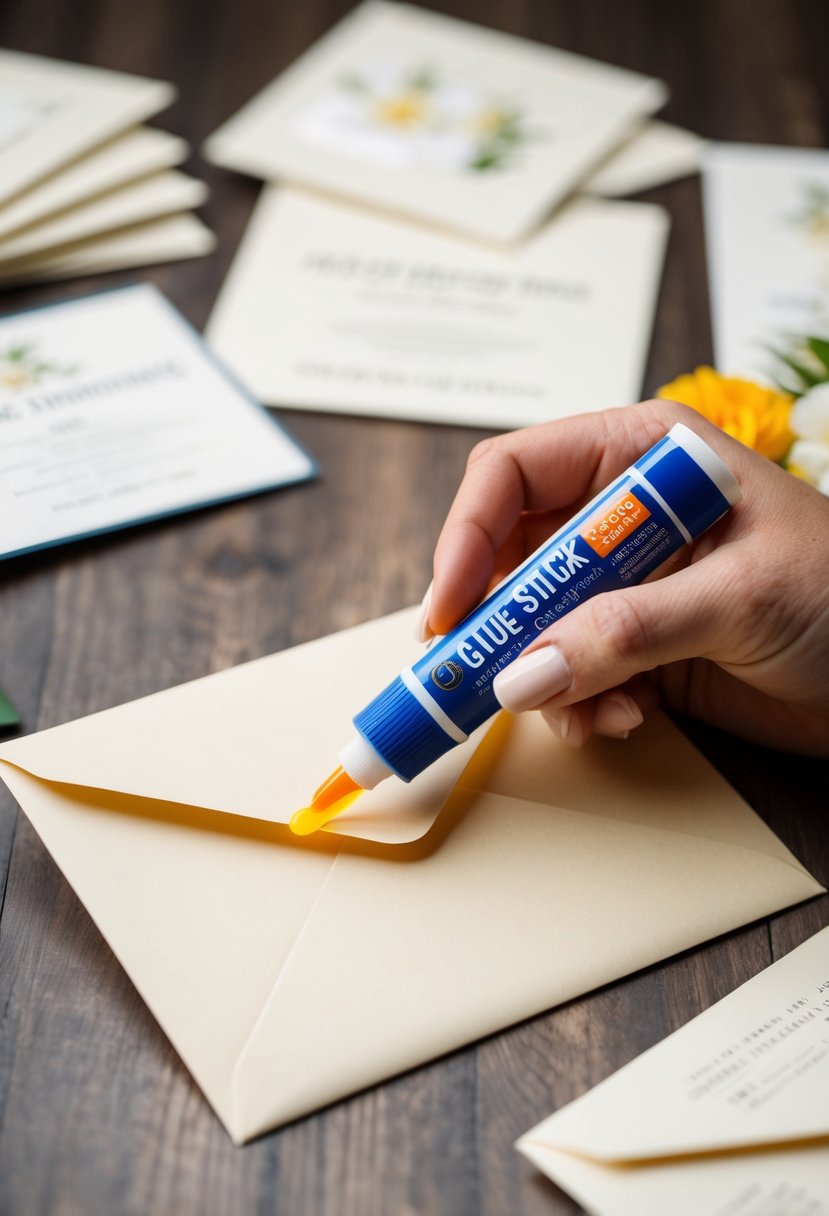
(756, 415)
(405, 110)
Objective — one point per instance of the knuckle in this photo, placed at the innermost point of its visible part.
(620, 630)
(484, 449)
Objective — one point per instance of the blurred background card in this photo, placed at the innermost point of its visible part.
(127, 158)
(52, 112)
(159, 194)
(767, 234)
(439, 119)
(171, 238)
(657, 153)
(332, 308)
(113, 413)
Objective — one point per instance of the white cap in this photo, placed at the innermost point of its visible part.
(708, 460)
(363, 764)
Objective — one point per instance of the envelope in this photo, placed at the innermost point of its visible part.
(289, 972)
(726, 1117)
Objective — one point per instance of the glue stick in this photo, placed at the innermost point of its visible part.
(664, 501)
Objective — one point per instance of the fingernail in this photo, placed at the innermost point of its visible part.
(566, 725)
(423, 632)
(617, 715)
(531, 680)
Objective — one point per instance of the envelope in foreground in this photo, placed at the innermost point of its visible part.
(547, 874)
(726, 1117)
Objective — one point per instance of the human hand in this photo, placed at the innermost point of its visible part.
(736, 632)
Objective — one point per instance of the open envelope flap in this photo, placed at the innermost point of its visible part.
(256, 740)
(520, 907)
(751, 1071)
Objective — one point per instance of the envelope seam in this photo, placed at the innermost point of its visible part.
(235, 1111)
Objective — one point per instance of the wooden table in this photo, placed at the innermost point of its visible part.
(98, 1114)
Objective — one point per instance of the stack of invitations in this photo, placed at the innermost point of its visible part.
(84, 187)
(442, 243)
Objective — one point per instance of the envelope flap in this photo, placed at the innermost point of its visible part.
(752, 1070)
(256, 740)
(657, 779)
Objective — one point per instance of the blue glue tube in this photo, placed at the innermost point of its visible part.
(664, 501)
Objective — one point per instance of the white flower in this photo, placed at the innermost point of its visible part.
(810, 416)
(809, 453)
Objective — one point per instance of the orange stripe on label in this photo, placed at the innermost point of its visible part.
(613, 523)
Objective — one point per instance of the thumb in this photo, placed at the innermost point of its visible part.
(619, 634)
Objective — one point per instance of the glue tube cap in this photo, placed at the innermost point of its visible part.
(363, 764)
(690, 478)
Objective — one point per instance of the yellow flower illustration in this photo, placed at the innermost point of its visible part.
(405, 110)
(756, 415)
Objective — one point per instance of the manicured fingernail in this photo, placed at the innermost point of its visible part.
(566, 725)
(532, 680)
(617, 715)
(423, 632)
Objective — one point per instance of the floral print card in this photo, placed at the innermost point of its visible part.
(437, 119)
(112, 413)
(52, 112)
(333, 307)
(767, 234)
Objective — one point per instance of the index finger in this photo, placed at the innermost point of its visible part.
(541, 468)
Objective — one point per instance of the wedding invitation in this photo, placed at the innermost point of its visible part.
(437, 119)
(655, 154)
(331, 308)
(726, 1117)
(113, 413)
(767, 232)
(52, 112)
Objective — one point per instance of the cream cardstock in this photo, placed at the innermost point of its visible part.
(767, 233)
(52, 112)
(728, 1115)
(657, 153)
(333, 308)
(502, 881)
(169, 239)
(160, 194)
(126, 158)
(112, 412)
(438, 119)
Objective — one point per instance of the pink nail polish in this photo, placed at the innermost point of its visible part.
(532, 679)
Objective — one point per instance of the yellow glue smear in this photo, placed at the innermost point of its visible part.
(331, 799)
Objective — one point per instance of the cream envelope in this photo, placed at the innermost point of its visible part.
(726, 1116)
(160, 194)
(168, 239)
(124, 159)
(51, 112)
(289, 973)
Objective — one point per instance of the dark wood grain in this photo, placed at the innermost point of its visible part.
(97, 1114)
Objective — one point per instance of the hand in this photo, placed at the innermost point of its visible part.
(736, 632)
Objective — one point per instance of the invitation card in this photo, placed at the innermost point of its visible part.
(113, 413)
(767, 233)
(728, 1116)
(159, 194)
(127, 158)
(52, 112)
(438, 119)
(657, 153)
(332, 308)
(171, 238)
